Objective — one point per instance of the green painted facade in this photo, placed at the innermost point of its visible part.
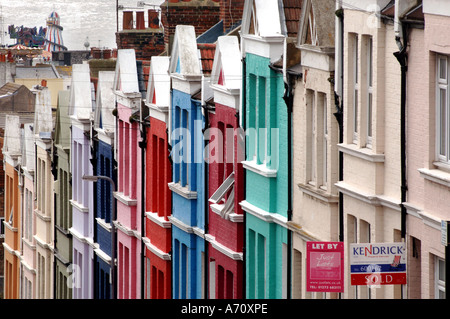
(266, 240)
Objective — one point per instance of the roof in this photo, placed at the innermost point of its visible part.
(43, 122)
(126, 77)
(80, 92)
(158, 90)
(105, 101)
(184, 57)
(207, 52)
(9, 88)
(62, 134)
(292, 12)
(46, 71)
(227, 69)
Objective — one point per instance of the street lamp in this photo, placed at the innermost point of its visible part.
(92, 178)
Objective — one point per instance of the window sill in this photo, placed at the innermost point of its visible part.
(182, 191)
(125, 199)
(437, 176)
(260, 169)
(362, 153)
(79, 206)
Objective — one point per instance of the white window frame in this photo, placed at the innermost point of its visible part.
(439, 283)
(369, 134)
(356, 88)
(442, 84)
(325, 144)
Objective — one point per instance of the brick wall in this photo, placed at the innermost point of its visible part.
(202, 14)
(231, 13)
(146, 43)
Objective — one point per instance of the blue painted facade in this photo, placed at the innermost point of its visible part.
(188, 209)
(103, 210)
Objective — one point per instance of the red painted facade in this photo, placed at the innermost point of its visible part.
(227, 233)
(158, 204)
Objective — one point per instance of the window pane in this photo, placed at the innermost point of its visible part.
(369, 116)
(441, 270)
(442, 68)
(442, 119)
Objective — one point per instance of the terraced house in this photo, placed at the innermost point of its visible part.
(63, 194)
(82, 230)
(43, 129)
(264, 47)
(158, 168)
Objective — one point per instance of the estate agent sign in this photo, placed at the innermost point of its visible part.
(378, 264)
(325, 266)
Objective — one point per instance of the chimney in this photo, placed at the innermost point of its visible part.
(231, 12)
(140, 20)
(153, 19)
(202, 15)
(127, 20)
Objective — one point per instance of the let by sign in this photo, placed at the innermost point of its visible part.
(325, 266)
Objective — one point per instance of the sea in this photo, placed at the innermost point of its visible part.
(84, 22)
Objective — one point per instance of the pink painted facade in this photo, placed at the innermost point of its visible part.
(129, 182)
(428, 175)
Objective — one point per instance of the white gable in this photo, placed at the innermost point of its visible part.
(158, 90)
(126, 76)
(185, 56)
(12, 135)
(28, 147)
(262, 17)
(80, 106)
(43, 120)
(227, 67)
(106, 100)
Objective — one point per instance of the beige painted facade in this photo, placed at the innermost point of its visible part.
(428, 177)
(371, 147)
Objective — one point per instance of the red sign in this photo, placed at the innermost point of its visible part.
(325, 266)
(378, 279)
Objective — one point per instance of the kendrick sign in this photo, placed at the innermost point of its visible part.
(325, 266)
(378, 264)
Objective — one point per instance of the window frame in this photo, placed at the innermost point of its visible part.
(442, 84)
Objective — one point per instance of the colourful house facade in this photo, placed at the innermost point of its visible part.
(265, 165)
(28, 258)
(11, 245)
(104, 126)
(188, 180)
(43, 129)
(225, 174)
(63, 194)
(158, 205)
(82, 230)
(128, 194)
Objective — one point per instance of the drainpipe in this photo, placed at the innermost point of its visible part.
(339, 103)
(402, 58)
(206, 173)
(243, 111)
(289, 100)
(143, 146)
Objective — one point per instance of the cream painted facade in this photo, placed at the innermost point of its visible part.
(428, 177)
(43, 126)
(371, 147)
(28, 258)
